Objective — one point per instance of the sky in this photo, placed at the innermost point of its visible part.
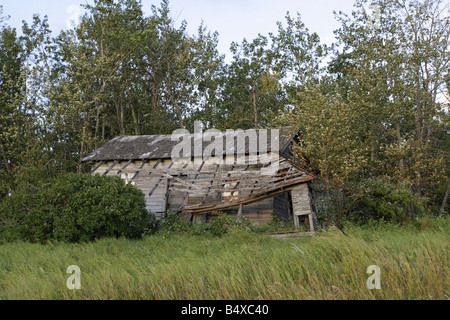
(233, 19)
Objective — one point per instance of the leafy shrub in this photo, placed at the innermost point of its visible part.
(380, 199)
(173, 223)
(276, 225)
(75, 208)
(221, 223)
(217, 226)
(432, 223)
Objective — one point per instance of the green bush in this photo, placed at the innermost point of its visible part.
(173, 223)
(75, 208)
(276, 225)
(217, 226)
(377, 199)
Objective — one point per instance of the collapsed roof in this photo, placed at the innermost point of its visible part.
(195, 186)
(161, 146)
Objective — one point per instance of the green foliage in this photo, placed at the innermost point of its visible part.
(378, 112)
(430, 223)
(276, 225)
(74, 208)
(222, 223)
(173, 223)
(384, 200)
(218, 225)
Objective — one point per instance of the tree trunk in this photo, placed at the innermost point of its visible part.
(97, 128)
(81, 148)
(103, 128)
(174, 101)
(444, 201)
(131, 100)
(401, 165)
(118, 111)
(255, 111)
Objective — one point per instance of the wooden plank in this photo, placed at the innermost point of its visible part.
(241, 179)
(240, 210)
(177, 178)
(256, 190)
(96, 168)
(311, 222)
(161, 179)
(237, 172)
(245, 201)
(126, 166)
(158, 162)
(291, 235)
(139, 170)
(110, 168)
(212, 183)
(196, 175)
(301, 205)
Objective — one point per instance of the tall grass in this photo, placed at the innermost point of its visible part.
(414, 262)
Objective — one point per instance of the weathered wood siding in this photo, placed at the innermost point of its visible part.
(300, 200)
(301, 205)
(259, 212)
(281, 207)
(138, 173)
(176, 187)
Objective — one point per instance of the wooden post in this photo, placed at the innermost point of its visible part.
(98, 166)
(296, 221)
(167, 195)
(240, 214)
(311, 222)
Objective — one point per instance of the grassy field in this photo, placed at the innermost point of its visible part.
(414, 262)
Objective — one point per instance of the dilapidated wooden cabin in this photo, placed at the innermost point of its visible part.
(237, 181)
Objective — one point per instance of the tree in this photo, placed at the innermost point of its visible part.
(23, 80)
(252, 91)
(378, 114)
(297, 53)
(395, 72)
(12, 117)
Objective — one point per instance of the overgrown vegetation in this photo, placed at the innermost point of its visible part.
(373, 124)
(413, 260)
(274, 226)
(217, 225)
(74, 208)
(377, 108)
(383, 200)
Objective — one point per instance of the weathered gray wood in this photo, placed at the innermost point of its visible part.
(161, 179)
(291, 235)
(139, 170)
(240, 210)
(300, 204)
(110, 168)
(197, 187)
(281, 207)
(124, 167)
(193, 183)
(97, 167)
